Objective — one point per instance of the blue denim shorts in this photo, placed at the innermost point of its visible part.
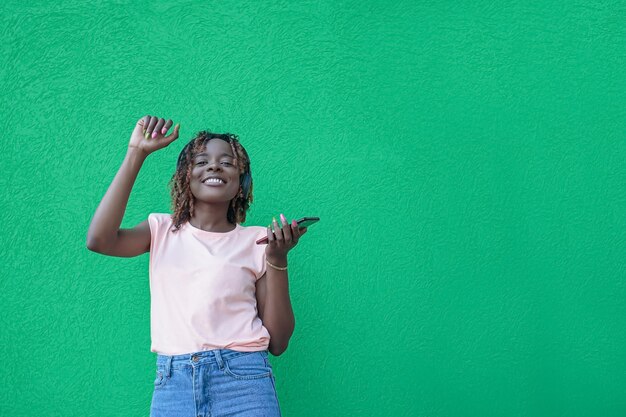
(214, 383)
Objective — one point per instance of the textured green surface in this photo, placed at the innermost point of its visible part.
(467, 162)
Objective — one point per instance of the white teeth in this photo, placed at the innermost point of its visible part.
(214, 181)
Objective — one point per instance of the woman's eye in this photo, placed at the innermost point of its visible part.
(224, 163)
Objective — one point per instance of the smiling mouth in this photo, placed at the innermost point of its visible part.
(214, 183)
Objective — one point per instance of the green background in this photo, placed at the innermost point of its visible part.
(467, 161)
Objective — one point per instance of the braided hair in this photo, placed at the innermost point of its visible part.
(182, 203)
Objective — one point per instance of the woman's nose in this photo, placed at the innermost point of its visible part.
(213, 165)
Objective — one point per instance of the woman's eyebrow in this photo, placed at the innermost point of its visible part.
(205, 154)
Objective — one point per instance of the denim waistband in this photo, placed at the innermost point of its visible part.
(216, 356)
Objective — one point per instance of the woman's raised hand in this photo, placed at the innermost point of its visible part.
(149, 134)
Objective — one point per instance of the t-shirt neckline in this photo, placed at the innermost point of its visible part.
(212, 234)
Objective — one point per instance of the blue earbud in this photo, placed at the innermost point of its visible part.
(245, 180)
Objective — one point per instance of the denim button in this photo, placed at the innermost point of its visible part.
(195, 359)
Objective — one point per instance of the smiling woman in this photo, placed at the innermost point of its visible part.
(219, 300)
(211, 155)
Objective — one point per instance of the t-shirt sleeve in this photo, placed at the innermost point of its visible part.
(153, 222)
(259, 254)
(156, 221)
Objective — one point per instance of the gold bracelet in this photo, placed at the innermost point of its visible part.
(276, 267)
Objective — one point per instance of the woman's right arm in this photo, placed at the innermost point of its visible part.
(103, 232)
(104, 235)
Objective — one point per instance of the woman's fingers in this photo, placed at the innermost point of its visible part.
(174, 135)
(144, 122)
(148, 137)
(150, 126)
(286, 229)
(295, 231)
(166, 127)
(154, 126)
(157, 128)
(277, 231)
(270, 236)
(285, 237)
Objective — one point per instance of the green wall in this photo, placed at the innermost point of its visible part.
(467, 162)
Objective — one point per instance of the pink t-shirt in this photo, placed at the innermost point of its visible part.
(202, 288)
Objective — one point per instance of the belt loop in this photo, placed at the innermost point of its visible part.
(168, 366)
(218, 358)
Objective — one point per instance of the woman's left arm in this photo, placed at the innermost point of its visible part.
(275, 307)
(272, 291)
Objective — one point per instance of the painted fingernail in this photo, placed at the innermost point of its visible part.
(154, 134)
(282, 218)
(274, 220)
(163, 131)
(146, 135)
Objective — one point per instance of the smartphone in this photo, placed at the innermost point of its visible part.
(302, 223)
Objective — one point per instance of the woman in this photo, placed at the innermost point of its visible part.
(219, 300)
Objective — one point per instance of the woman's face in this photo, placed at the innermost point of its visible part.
(216, 161)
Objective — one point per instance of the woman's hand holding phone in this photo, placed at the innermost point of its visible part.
(149, 134)
(283, 239)
(302, 224)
